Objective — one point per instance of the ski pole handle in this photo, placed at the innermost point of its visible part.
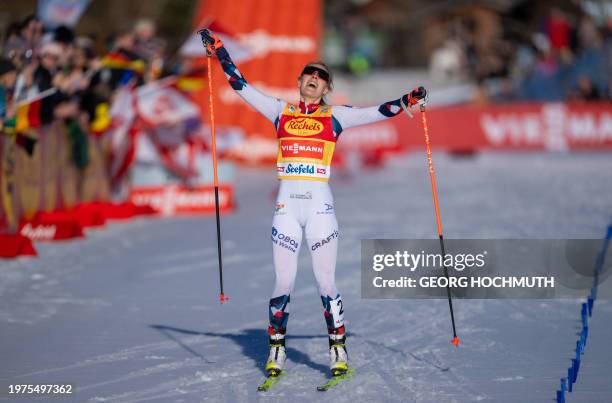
(421, 95)
(406, 109)
(205, 34)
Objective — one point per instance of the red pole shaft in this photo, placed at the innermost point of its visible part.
(432, 173)
(432, 177)
(212, 123)
(222, 296)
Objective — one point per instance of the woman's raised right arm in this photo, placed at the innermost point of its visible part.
(268, 106)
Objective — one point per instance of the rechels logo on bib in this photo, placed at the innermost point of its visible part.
(300, 169)
(303, 127)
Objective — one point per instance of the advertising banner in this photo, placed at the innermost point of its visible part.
(179, 199)
(525, 126)
(276, 41)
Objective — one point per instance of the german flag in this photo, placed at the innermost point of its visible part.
(192, 81)
(30, 112)
(121, 61)
(28, 116)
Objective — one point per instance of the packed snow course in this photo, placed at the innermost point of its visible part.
(131, 313)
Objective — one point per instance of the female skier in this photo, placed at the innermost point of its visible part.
(307, 134)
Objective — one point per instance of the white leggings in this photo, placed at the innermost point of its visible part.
(308, 205)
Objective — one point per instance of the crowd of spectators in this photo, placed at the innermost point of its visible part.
(75, 81)
(569, 58)
(513, 51)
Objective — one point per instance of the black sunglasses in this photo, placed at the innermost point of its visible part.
(323, 75)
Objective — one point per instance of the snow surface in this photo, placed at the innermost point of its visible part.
(131, 313)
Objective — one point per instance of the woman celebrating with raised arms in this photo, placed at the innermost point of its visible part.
(307, 133)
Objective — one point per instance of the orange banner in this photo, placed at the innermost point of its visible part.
(278, 39)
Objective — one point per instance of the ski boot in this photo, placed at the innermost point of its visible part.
(338, 355)
(277, 357)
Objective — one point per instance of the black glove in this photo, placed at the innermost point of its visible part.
(210, 40)
(416, 95)
(207, 36)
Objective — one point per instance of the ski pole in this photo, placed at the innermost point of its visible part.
(432, 177)
(209, 53)
(437, 208)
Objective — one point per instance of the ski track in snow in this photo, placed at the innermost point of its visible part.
(131, 313)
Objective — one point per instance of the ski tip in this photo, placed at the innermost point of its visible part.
(270, 381)
(223, 298)
(455, 341)
(336, 380)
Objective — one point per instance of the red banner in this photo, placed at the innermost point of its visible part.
(44, 196)
(178, 199)
(529, 126)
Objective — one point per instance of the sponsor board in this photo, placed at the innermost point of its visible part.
(553, 126)
(265, 42)
(302, 149)
(379, 136)
(39, 232)
(262, 42)
(176, 199)
(516, 126)
(52, 227)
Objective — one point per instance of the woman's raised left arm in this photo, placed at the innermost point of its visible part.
(348, 116)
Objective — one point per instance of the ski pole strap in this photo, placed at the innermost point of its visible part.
(405, 108)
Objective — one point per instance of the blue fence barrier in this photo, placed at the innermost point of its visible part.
(586, 312)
